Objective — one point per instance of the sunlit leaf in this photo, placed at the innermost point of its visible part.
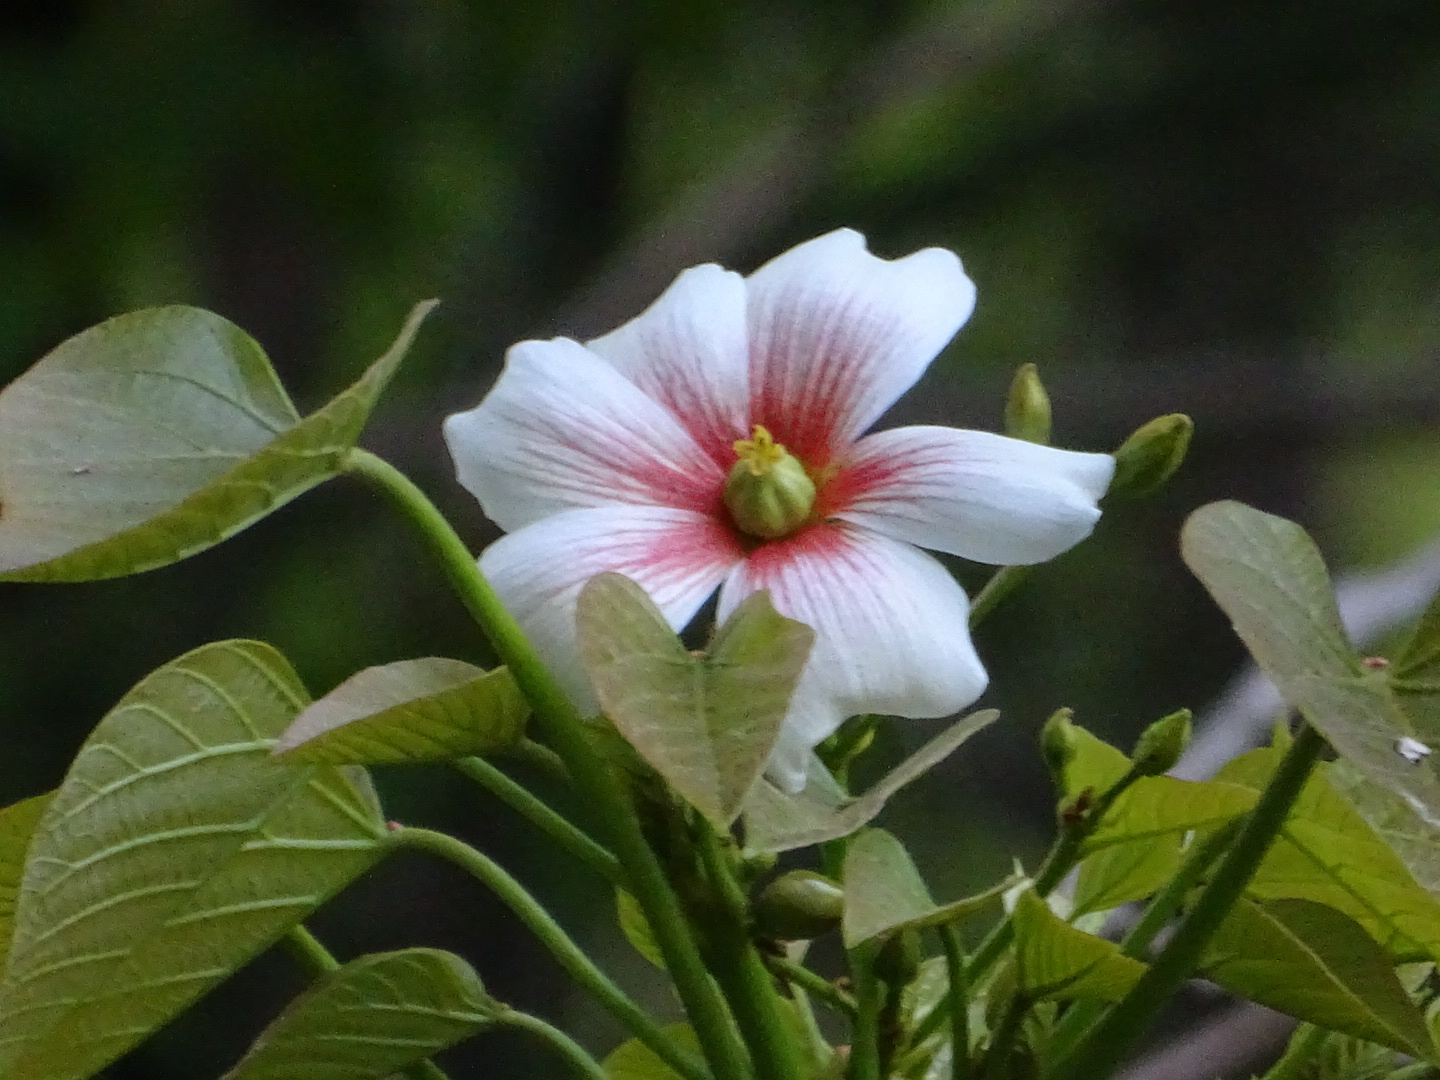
(17, 825)
(777, 821)
(176, 849)
(882, 887)
(372, 1017)
(1055, 960)
(1154, 806)
(1093, 765)
(1312, 962)
(412, 710)
(706, 723)
(634, 1060)
(1124, 872)
(636, 928)
(155, 435)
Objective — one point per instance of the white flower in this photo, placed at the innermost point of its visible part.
(615, 455)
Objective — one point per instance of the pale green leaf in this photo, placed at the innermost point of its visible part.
(372, 1017)
(1312, 962)
(1328, 853)
(155, 435)
(1415, 675)
(176, 849)
(412, 710)
(17, 825)
(636, 928)
(882, 887)
(1093, 765)
(1124, 872)
(634, 1060)
(1154, 806)
(777, 821)
(706, 723)
(1055, 960)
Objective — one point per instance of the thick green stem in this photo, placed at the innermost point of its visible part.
(564, 728)
(996, 1065)
(1107, 1043)
(1005, 581)
(957, 1003)
(566, 1047)
(524, 802)
(741, 972)
(571, 957)
(319, 961)
(1299, 1054)
(813, 984)
(869, 1000)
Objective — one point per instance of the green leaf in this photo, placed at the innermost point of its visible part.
(1312, 962)
(636, 928)
(634, 1060)
(1155, 806)
(1092, 765)
(1267, 575)
(176, 849)
(882, 887)
(155, 435)
(17, 826)
(1326, 852)
(1055, 960)
(371, 1018)
(1124, 872)
(777, 821)
(705, 723)
(412, 710)
(1415, 675)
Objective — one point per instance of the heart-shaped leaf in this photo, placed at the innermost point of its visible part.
(17, 825)
(412, 710)
(778, 821)
(1124, 872)
(882, 887)
(706, 723)
(1055, 960)
(176, 849)
(155, 435)
(634, 1060)
(371, 1018)
(1318, 965)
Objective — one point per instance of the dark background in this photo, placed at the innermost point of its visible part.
(1229, 208)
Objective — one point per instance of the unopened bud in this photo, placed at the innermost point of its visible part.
(1058, 743)
(798, 906)
(1161, 744)
(768, 492)
(1151, 455)
(898, 960)
(1027, 410)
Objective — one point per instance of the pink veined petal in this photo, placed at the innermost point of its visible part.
(971, 493)
(563, 429)
(688, 351)
(837, 335)
(891, 630)
(677, 556)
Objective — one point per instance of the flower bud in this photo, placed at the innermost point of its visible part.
(1161, 744)
(1058, 743)
(1027, 411)
(898, 960)
(768, 492)
(798, 906)
(1151, 455)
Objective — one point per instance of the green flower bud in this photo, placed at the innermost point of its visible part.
(1058, 742)
(768, 492)
(1161, 744)
(798, 906)
(1151, 455)
(1027, 411)
(898, 961)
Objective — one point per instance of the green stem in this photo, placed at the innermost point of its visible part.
(1163, 907)
(996, 1065)
(869, 1000)
(529, 752)
(319, 961)
(566, 1047)
(571, 957)
(1420, 1070)
(565, 731)
(741, 972)
(1107, 1043)
(1001, 584)
(1299, 1054)
(815, 985)
(957, 1002)
(524, 802)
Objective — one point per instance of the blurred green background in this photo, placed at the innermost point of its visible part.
(1229, 208)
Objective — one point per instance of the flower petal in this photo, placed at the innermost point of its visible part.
(891, 633)
(837, 335)
(688, 351)
(677, 556)
(970, 493)
(563, 429)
